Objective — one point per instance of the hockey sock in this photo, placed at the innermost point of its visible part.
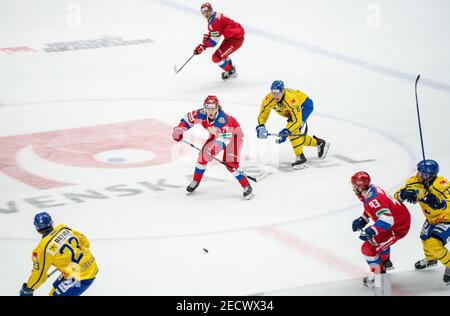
(384, 255)
(199, 171)
(240, 177)
(226, 64)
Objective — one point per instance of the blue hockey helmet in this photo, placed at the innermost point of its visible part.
(428, 169)
(43, 221)
(277, 86)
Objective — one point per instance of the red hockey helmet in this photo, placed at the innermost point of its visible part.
(211, 102)
(206, 7)
(360, 181)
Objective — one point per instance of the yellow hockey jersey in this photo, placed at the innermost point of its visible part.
(440, 187)
(289, 107)
(68, 251)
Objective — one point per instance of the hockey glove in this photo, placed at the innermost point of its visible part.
(25, 291)
(177, 134)
(284, 133)
(359, 223)
(199, 49)
(432, 201)
(368, 234)
(408, 195)
(261, 131)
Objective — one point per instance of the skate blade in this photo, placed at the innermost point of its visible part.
(300, 167)
(325, 150)
(370, 286)
(390, 269)
(249, 197)
(427, 267)
(230, 77)
(189, 193)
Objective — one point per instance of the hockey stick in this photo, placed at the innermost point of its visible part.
(291, 135)
(178, 70)
(418, 118)
(222, 162)
(51, 273)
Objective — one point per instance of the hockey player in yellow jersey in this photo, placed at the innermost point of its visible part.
(296, 106)
(68, 251)
(433, 194)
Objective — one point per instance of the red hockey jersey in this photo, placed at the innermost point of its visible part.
(223, 128)
(387, 213)
(219, 25)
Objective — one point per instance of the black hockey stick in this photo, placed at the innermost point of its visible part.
(291, 135)
(222, 162)
(418, 118)
(178, 70)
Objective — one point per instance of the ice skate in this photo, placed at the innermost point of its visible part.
(248, 195)
(300, 162)
(229, 74)
(425, 263)
(322, 147)
(191, 187)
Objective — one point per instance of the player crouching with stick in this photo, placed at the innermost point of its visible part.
(391, 222)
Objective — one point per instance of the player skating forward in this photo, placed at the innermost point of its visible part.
(296, 106)
(233, 33)
(68, 251)
(224, 134)
(433, 194)
(391, 222)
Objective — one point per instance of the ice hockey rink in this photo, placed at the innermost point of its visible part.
(85, 134)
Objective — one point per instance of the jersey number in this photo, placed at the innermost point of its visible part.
(374, 203)
(69, 246)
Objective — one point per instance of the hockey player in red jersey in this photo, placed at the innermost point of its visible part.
(224, 134)
(391, 222)
(233, 33)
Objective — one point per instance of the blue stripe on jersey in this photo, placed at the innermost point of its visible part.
(382, 224)
(187, 124)
(201, 115)
(212, 42)
(221, 120)
(213, 17)
(221, 144)
(371, 193)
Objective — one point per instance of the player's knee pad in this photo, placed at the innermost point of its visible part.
(216, 57)
(435, 247)
(368, 249)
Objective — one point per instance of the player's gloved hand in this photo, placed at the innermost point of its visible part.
(432, 201)
(199, 49)
(284, 133)
(25, 291)
(368, 234)
(261, 131)
(177, 134)
(359, 223)
(408, 195)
